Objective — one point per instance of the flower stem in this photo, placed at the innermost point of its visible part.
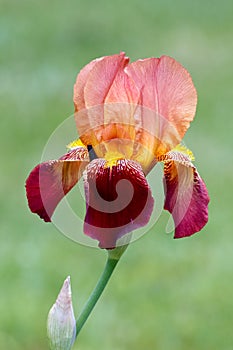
(95, 295)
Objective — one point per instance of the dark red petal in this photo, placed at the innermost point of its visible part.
(50, 181)
(186, 196)
(118, 199)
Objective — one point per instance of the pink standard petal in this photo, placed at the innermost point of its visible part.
(101, 78)
(118, 199)
(167, 89)
(186, 195)
(50, 181)
(80, 83)
(110, 97)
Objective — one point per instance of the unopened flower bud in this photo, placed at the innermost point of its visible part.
(61, 324)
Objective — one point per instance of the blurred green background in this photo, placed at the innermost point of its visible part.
(165, 294)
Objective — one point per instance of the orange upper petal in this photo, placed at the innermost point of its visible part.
(111, 98)
(102, 77)
(150, 103)
(79, 101)
(168, 97)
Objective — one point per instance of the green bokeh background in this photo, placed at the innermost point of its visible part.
(165, 294)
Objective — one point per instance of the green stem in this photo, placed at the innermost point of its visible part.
(95, 295)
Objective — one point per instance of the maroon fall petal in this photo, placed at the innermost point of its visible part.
(118, 198)
(50, 181)
(186, 197)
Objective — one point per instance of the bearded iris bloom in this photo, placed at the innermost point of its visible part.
(129, 116)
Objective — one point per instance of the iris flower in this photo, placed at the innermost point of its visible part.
(129, 116)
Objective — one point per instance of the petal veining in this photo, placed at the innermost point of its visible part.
(118, 200)
(168, 98)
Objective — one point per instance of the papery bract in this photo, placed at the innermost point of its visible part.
(61, 323)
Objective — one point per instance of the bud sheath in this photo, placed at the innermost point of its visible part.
(61, 324)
